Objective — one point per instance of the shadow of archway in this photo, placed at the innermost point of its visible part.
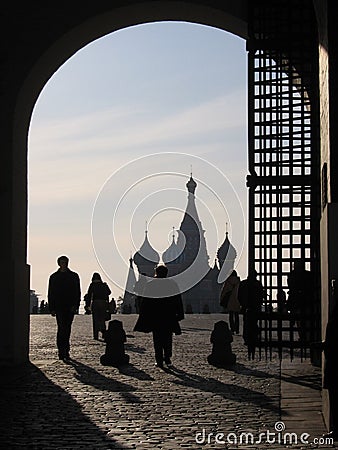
(37, 413)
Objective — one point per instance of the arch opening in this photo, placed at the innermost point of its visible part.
(190, 113)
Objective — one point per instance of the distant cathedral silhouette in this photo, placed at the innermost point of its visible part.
(188, 252)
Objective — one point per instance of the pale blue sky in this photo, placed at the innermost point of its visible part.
(156, 88)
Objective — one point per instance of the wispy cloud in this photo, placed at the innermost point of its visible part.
(70, 159)
(111, 129)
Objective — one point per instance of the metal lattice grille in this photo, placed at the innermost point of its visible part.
(283, 160)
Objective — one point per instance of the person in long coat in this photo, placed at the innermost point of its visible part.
(97, 301)
(229, 300)
(64, 296)
(161, 310)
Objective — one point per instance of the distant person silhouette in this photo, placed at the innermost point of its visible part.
(161, 309)
(251, 296)
(281, 301)
(330, 347)
(221, 338)
(301, 297)
(64, 296)
(97, 301)
(229, 300)
(115, 338)
(87, 307)
(43, 307)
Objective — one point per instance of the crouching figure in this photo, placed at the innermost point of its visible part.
(221, 338)
(115, 337)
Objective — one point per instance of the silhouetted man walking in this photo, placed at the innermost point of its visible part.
(64, 296)
(161, 309)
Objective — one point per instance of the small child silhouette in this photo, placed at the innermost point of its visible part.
(221, 338)
(115, 337)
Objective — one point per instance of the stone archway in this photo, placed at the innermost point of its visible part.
(59, 34)
(44, 42)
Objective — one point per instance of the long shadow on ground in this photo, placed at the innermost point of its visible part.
(89, 376)
(37, 414)
(226, 390)
(312, 381)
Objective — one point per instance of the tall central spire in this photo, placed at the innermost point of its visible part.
(191, 220)
(192, 229)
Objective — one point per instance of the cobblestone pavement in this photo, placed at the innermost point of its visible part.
(84, 405)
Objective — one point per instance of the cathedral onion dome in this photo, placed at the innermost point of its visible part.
(172, 253)
(146, 256)
(226, 251)
(191, 185)
(223, 250)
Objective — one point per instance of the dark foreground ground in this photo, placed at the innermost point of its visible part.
(83, 405)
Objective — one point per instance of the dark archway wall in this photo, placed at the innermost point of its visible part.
(327, 17)
(36, 39)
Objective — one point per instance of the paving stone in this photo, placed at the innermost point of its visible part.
(53, 405)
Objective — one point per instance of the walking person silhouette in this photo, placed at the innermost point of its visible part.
(161, 309)
(64, 296)
(229, 300)
(97, 301)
